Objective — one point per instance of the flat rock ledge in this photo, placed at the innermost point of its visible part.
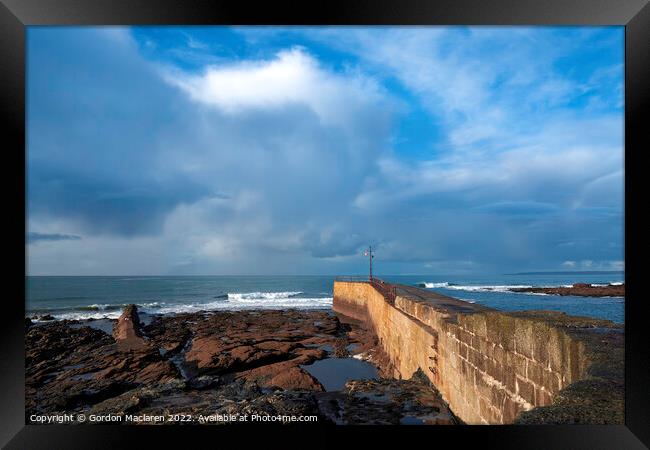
(578, 290)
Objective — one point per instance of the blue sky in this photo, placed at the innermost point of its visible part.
(267, 150)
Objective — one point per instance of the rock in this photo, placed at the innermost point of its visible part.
(70, 368)
(53, 342)
(28, 322)
(71, 395)
(592, 401)
(235, 362)
(578, 289)
(389, 401)
(125, 403)
(158, 371)
(296, 378)
(170, 333)
(46, 317)
(259, 339)
(341, 348)
(135, 399)
(237, 398)
(127, 331)
(203, 382)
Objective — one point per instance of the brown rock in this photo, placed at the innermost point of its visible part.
(578, 289)
(296, 378)
(72, 368)
(127, 331)
(210, 354)
(340, 348)
(204, 350)
(159, 371)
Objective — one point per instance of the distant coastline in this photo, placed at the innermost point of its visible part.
(570, 272)
(578, 289)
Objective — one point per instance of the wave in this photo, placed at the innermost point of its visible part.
(283, 303)
(490, 288)
(262, 295)
(505, 288)
(96, 307)
(509, 287)
(77, 315)
(427, 285)
(93, 307)
(473, 288)
(231, 301)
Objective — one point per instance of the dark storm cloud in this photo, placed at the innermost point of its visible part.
(99, 121)
(35, 237)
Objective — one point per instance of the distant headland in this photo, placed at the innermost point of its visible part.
(570, 272)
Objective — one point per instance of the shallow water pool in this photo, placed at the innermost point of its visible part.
(333, 373)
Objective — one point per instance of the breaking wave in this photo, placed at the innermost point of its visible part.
(489, 288)
(472, 288)
(230, 301)
(433, 285)
(239, 296)
(505, 288)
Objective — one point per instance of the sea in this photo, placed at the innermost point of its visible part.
(104, 297)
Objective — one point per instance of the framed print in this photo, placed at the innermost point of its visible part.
(321, 221)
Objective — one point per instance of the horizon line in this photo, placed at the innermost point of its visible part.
(549, 272)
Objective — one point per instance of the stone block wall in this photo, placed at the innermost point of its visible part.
(488, 365)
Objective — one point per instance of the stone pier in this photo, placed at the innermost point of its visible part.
(494, 367)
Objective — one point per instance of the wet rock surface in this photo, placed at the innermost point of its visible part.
(207, 363)
(68, 368)
(387, 402)
(579, 290)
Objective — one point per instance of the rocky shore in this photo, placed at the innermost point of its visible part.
(578, 289)
(224, 363)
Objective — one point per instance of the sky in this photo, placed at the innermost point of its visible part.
(269, 150)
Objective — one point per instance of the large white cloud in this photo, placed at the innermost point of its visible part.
(292, 77)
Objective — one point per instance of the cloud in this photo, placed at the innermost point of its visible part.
(211, 189)
(529, 173)
(33, 237)
(98, 130)
(519, 209)
(293, 77)
(487, 85)
(447, 149)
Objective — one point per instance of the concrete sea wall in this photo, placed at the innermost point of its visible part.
(489, 366)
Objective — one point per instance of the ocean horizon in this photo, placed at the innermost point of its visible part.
(104, 297)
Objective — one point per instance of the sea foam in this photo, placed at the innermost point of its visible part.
(473, 288)
(231, 301)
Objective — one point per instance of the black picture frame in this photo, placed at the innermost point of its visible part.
(15, 15)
